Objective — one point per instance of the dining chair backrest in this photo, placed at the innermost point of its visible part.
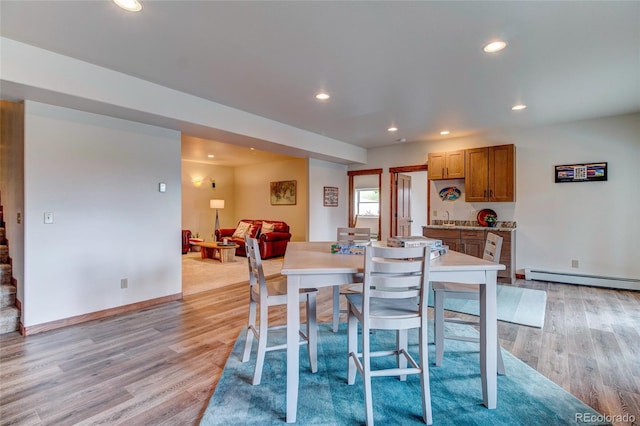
(371, 222)
(396, 273)
(256, 272)
(353, 234)
(493, 247)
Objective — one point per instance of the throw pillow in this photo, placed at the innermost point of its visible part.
(241, 230)
(267, 227)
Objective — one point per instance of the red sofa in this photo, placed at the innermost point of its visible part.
(272, 244)
(186, 234)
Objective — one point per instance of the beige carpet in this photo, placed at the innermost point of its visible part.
(200, 275)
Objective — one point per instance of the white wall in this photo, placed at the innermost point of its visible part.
(252, 199)
(461, 210)
(323, 221)
(197, 216)
(99, 177)
(592, 222)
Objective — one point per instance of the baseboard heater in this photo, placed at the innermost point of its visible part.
(592, 280)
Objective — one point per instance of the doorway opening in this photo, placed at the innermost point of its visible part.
(409, 192)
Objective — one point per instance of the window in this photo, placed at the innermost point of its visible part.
(368, 202)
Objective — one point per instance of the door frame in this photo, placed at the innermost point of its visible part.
(351, 174)
(393, 175)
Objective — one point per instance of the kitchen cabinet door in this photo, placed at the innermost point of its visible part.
(473, 242)
(446, 165)
(490, 174)
(502, 173)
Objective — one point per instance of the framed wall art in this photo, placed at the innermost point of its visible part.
(283, 193)
(587, 172)
(330, 198)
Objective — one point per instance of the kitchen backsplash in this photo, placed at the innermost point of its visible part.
(474, 223)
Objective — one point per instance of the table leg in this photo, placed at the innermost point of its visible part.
(488, 339)
(293, 349)
(227, 255)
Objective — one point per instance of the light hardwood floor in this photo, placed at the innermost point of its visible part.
(159, 366)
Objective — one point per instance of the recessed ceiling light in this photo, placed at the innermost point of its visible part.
(322, 96)
(211, 156)
(252, 149)
(494, 46)
(130, 5)
(518, 107)
(445, 132)
(392, 129)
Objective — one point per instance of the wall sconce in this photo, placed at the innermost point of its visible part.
(197, 181)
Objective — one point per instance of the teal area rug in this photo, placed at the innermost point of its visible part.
(524, 396)
(517, 305)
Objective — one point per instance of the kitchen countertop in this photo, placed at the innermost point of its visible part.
(474, 226)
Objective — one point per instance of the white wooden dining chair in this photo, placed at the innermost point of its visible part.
(446, 290)
(271, 292)
(358, 235)
(394, 297)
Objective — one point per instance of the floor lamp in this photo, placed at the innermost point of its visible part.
(216, 204)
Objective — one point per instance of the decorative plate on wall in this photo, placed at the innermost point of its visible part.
(450, 193)
(482, 214)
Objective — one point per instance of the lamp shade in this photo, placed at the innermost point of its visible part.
(216, 204)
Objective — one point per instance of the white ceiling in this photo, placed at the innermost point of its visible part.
(418, 65)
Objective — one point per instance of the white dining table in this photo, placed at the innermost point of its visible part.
(311, 264)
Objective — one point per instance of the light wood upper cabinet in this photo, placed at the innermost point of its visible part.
(446, 165)
(490, 174)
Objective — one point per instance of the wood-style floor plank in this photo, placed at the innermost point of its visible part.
(160, 365)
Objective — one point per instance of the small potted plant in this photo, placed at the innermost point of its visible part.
(492, 220)
(194, 240)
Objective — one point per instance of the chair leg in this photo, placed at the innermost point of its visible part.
(262, 343)
(438, 302)
(424, 375)
(336, 307)
(352, 347)
(312, 332)
(402, 343)
(250, 330)
(366, 376)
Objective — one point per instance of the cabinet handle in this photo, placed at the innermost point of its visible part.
(443, 172)
(447, 172)
(485, 193)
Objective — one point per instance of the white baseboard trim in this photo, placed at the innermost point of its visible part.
(581, 279)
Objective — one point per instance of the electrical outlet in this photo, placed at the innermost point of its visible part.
(124, 283)
(574, 264)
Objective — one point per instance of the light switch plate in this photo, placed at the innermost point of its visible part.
(162, 187)
(48, 217)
